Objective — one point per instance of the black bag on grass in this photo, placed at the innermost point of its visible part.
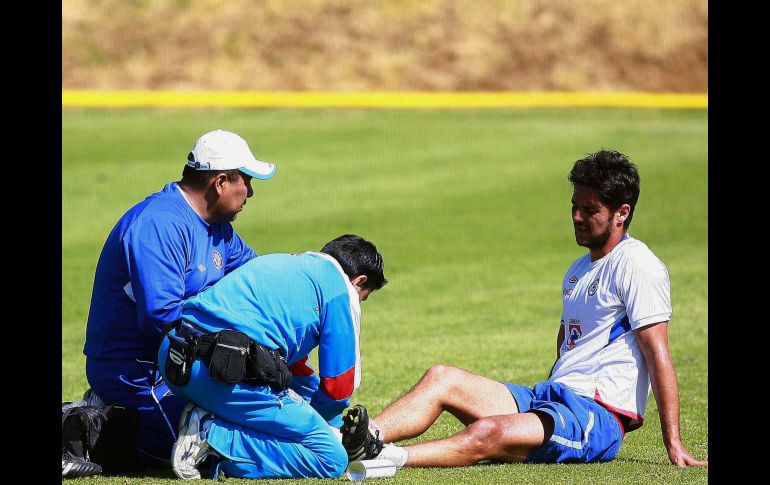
(105, 435)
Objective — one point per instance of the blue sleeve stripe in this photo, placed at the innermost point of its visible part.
(619, 328)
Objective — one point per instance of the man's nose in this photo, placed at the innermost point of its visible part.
(576, 216)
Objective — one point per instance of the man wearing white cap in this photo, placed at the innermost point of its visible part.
(164, 250)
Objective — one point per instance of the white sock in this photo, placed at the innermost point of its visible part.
(374, 427)
(396, 454)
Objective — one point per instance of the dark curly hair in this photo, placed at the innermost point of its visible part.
(612, 175)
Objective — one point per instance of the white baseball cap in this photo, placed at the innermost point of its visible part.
(224, 150)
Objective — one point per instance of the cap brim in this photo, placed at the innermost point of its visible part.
(259, 170)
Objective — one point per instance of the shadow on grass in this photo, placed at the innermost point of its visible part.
(625, 460)
(636, 460)
(148, 473)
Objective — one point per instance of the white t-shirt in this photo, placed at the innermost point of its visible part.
(604, 301)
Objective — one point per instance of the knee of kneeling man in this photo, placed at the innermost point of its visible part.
(335, 462)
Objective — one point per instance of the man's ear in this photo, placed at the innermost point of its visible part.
(623, 212)
(218, 182)
(359, 280)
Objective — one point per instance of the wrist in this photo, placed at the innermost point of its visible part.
(673, 442)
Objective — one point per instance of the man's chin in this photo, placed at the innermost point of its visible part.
(591, 243)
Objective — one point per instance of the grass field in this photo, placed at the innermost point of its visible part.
(471, 211)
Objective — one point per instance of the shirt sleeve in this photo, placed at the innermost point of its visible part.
(157, 257)
(646, 291)
(305, 382)
(238, 252)
(337, 359)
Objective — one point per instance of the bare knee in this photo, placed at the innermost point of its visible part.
(483, 438)
(448, 387)
(442, 375)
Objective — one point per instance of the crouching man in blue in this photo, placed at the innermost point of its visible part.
(239, 354)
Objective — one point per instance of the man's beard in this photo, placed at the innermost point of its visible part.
(595, 241)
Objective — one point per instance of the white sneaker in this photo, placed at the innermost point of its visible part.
(190, 448)
(396, 454)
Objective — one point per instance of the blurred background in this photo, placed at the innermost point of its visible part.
(395, 45)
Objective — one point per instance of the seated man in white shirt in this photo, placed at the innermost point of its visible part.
(612, 347)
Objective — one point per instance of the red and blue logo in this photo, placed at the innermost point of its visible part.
(574, 332)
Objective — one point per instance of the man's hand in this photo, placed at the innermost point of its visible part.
(681, 458)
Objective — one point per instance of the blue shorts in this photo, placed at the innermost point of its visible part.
(583, 431)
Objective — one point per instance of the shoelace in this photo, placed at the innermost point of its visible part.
(375, 445)
(196, 453)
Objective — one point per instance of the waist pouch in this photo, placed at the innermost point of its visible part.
(226, 355)
(267, 367)
(230, 355)
(181, 355)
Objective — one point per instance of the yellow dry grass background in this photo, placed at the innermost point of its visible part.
(396, 45)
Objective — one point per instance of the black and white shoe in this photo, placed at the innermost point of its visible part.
(73, 466)
(358, 441)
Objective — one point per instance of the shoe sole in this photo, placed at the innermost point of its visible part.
(79, 469)
(355, 433)
(350, 424)
(182, 443)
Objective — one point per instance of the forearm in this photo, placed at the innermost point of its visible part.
(559, 342)
(666, 392)
(329, 409)
(304, 385)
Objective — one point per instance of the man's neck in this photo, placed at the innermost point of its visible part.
(614, 240)
(197, 201)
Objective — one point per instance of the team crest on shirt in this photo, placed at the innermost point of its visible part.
(593, 287)
(216, 257)
(574, 332)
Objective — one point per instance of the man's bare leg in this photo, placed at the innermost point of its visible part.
(508, 438)
(467, 396)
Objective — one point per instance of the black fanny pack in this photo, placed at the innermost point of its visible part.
(231, 356)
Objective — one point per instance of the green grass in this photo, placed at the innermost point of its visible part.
(471, 211)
